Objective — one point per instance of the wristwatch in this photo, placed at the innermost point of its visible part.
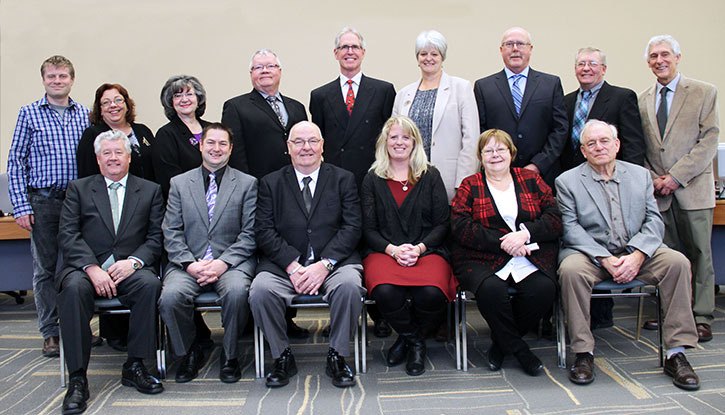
(136, 265)
(327, 263)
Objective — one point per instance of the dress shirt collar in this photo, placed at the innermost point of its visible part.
(594, 90)
(355, 79)
(510, 73)
(123, 181)
(312, 175)
(44, 102)
(265, 95)
(671, 86)
(598, 177)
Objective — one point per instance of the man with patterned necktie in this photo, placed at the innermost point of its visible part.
(209, 238)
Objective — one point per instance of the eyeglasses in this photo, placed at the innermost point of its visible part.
(592, 144)
(118, 101)
(299, 143)
(519, 45)
(181, 95)
(269, 67)
(351, 48)
(583, 64)
(500, 151)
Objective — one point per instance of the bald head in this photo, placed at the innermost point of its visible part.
(516, 49)
(305, 147)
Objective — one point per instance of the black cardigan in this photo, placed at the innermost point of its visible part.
(140, 166)
(173, 152)
(423, 216)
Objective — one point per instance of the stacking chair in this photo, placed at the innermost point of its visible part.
(623, 291)
(462, 329)
(303, 301)
(114, 306)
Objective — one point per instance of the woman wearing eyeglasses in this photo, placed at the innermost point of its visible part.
(405, 223)
(177, 143)
(444, 109)
(505, 225)
(113, 109)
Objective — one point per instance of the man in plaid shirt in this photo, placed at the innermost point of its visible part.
(41, 162)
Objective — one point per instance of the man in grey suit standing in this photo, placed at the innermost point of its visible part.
(209, 238)
(681, 130)
(612, 229)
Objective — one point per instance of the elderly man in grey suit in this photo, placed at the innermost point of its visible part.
(681, 129)
(209, 237)
(612, 229)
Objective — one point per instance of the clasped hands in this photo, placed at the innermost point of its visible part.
(105, 282)
(207, 271)
(514, 243)
(665, 185)
(406, 255)
(625, 268)
(309, 279)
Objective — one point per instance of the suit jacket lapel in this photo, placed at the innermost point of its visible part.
(444, 92)
(503, 86)
(678, 102)
(226, 189)
(130, 201)
(596, 193)
(198, 195)
(600, 103)
(103, 204)
(626, 188)
(259, 101)
(294, 188)
(651, 112)
(365, 95)
(322, 179)
(532, 82)
(334, 98)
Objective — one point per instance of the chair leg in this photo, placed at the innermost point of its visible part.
(258, 351)
(62, 359)
(457, 327)
(464, 335)
(161, 351)
(357, 346)
(640, 309)
(560, 332)
(659, 325)
(364, 337)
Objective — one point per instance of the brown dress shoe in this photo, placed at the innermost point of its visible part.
(650, 325)
(582, 371)
(704, 332)
(683, 375)
(51, 346)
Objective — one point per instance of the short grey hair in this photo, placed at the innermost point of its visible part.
(656, 40)
(178, 83)
(431, 38)
(349, 29)
(111, 135)
(264, 52)
(589, 49)
(592, 123)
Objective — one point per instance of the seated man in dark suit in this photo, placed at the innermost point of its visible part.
(110, 237)
(308, 226)
(613, 229)
(209, 237)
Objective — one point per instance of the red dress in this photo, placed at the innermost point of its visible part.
(430, 270)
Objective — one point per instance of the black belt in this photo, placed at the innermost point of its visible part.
(48, 192)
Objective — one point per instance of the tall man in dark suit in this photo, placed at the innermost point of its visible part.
(350, 112)
(598, 100)
(352, 109)
(110, 237)
(209, 237)
(525, 103)
(261, 119)
(308, 226)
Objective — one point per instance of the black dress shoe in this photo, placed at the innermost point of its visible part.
(76, 396)
(529, 362)
(296, 332)
(704, 332)
(650, 325)
(382, 329)
(190, 364)
(398, 352)
(117, 344)
(683, 375)
(96, 340)
(137, 376)
(416, 357)
(495, 358)
(284, 367)
(229, 370)
(340, 372)
(582, 371)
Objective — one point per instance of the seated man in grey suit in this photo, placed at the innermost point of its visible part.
(308, 226)
(209, 237)
(612, 229)
(110, 239)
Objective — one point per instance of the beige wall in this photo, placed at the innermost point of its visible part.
(139, 43)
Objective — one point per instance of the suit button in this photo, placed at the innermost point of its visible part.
(309, 231)
(342, 150)
(520, 136)
(662, 149)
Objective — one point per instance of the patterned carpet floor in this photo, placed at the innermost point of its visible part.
(628, 381)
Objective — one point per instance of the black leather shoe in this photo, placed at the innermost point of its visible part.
(229, 370)
(117, 344)
(296, 332)
(284, 367)
(189, 367)
(582, 371)
(76, 396)
(340, 372)
(683, 375)
(495, 358)
(382, 329)
(416, 357)
(529, 362)
(96, 340)
(650, 325)
(137, 376)
(397, 352)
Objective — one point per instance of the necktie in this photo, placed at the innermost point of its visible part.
(350, 98)
(662, 111)
(211, 193)
(273, 102)
(516, 93)
(580, 117)
(115, 209)
(307, 193)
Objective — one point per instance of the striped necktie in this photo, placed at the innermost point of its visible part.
(516, 93)
(211, 193)
(580, 117)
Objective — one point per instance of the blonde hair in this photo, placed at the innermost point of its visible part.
(418, 163)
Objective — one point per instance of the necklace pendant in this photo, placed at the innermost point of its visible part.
(405, 187)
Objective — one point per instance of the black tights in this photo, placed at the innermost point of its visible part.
(411, 310)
